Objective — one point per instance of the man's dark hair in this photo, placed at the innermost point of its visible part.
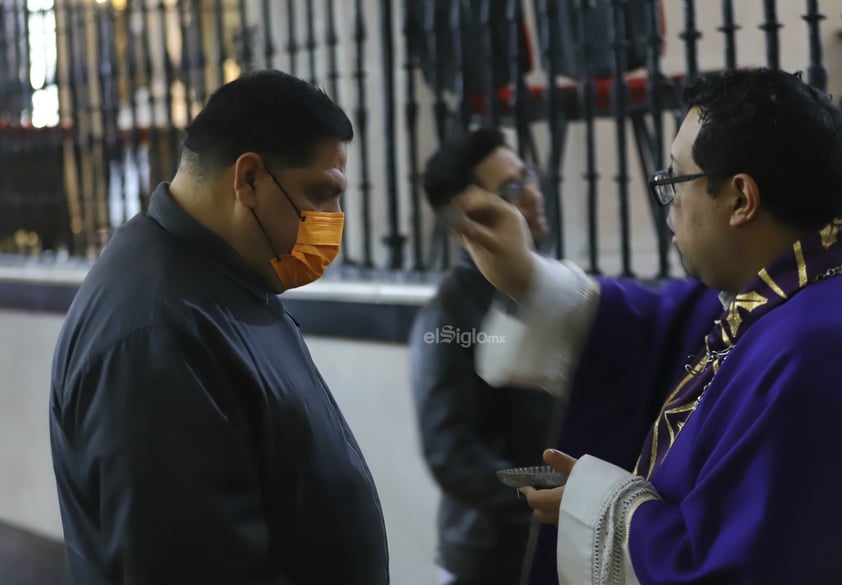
(268, 112)
(771, 125)
(451, 169)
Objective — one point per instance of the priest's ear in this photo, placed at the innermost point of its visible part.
(743, 199)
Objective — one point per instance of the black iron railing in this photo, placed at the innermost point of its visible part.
(130, 74)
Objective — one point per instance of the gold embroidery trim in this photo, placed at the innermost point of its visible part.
(748, 302)
(631, 513)
(677, 410)
(802, 265)
(766, 277)
(725, 339)
(670, 398)
(830, 233)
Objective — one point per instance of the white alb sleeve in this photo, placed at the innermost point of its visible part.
(539, 345)
(596, 511)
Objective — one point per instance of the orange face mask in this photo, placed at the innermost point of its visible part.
(316, 246)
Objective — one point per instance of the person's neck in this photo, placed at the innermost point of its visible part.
(205, 202)
(763, 248)
(194, 198)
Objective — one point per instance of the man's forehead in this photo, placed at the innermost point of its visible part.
(503, 163)
(330, 155)
(682, 145)
(692, 123)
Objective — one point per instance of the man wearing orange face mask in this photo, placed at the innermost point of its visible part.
(193, 438)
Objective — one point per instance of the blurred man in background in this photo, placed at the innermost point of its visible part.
(468, 429)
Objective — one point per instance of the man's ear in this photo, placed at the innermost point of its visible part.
(746, 199)
(246, 169)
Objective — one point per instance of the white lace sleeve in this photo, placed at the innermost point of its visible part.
(594, 519)
(539, 345)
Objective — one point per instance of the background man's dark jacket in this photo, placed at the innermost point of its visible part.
(469, 430)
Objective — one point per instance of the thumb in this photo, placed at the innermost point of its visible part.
(561, 462)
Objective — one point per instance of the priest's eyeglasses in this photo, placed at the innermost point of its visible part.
(663, 184)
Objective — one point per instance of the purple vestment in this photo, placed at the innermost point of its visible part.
(750, 483)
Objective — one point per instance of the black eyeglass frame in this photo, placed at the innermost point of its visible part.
(512, 190)
(656, 184)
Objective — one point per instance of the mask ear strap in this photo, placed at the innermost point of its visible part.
(266, 235)
(301, 216)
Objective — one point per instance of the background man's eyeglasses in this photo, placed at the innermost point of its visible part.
(513, 191)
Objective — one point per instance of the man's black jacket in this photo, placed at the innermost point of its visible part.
(193, 438)
(469, 430)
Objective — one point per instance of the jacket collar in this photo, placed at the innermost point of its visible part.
(165, 211)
